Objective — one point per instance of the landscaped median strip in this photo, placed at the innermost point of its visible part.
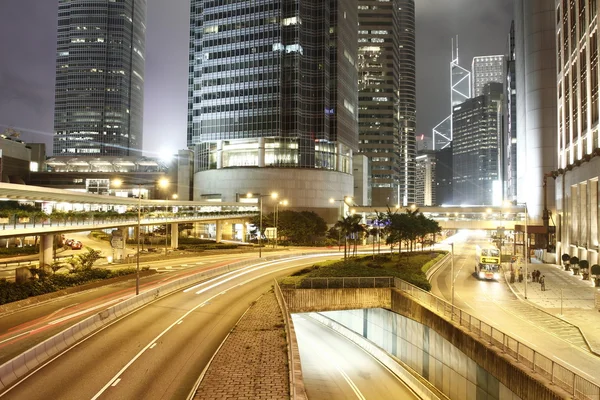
(27, 362)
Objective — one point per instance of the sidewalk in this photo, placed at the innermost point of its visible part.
(567, 297)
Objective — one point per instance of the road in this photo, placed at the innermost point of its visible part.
(31, 325)
(158, 351)
(494, 303)
(335, 368)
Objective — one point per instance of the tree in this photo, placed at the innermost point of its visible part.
(346, 225)
(565, 259)
(596, 272)
(584, 265)
(85, 261)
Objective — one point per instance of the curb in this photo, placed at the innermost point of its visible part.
(27, 362)
(587, 343)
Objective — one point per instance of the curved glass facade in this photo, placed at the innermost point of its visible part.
(272, 84)
(99, 77)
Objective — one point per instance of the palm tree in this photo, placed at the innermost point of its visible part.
(347, 226)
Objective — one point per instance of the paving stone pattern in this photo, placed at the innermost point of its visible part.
(253, 361)
(576, 297)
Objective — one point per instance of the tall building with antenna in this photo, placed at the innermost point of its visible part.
(460, 90)
(99, 90)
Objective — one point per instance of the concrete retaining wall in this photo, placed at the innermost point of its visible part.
(306, 300)
(459, 364)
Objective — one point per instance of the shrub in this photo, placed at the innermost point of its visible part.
(12, 291)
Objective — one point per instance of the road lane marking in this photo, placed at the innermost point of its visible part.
(199, 263)
(250, 268)
(179, 322)
(87, 310)
(153, 346)
(331, 357)
(183, 265)
(141, 352)
(14, 337)
(116, 382)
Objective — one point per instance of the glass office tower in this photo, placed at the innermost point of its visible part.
(99, 88)
(273, 98)
(387, 97)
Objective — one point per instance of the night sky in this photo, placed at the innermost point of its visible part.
(28, 48)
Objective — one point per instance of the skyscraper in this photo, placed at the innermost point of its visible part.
(460, 90)
(535, 66)
(476, 145)
(577, 77)
(387, 97)
(425, 179)
(486, 69)
(273, 99)
(509, 147)
(99, 77)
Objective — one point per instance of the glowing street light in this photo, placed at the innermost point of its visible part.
(273, 195)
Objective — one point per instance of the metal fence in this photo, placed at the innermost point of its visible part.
(577, 386)
(343, 283)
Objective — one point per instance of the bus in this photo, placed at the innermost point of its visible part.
(487, 262)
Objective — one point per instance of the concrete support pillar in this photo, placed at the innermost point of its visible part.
(119, 253)
(174, 235)
(261, 152)
(244, 231)
(219, 154)
(46, 250)
(338, 166)
(219, 231)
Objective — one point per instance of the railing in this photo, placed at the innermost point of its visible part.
(344, 283)
(49, 222)
(577, 386)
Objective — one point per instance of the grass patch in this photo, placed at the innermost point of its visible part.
(410, 267)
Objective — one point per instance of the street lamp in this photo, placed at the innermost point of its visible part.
(283, 203)
(452, 273)
(342, 202)
(525, 245)
(260, 197)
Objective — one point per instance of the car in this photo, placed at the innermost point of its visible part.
(69, 242)
(76, 245)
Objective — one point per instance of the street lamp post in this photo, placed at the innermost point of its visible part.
(283, 203)
(260, 197)
(139, 233)
(452, 273)
(525, 245)
(340, 216)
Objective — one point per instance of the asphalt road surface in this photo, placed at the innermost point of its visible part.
(158, 351)
(30, 325)
(494, 303)
(335, 368)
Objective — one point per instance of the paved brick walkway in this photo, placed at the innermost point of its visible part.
(574, 294)
(253, 361)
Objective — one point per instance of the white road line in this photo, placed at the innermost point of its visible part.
(153, 346)
(572, 366)
(116, 382)
(326, 355)
(179, 322)
(14, 337)
(87, 310)
(264, 264)
(199, 263)
(183, 265)
(138, 355)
